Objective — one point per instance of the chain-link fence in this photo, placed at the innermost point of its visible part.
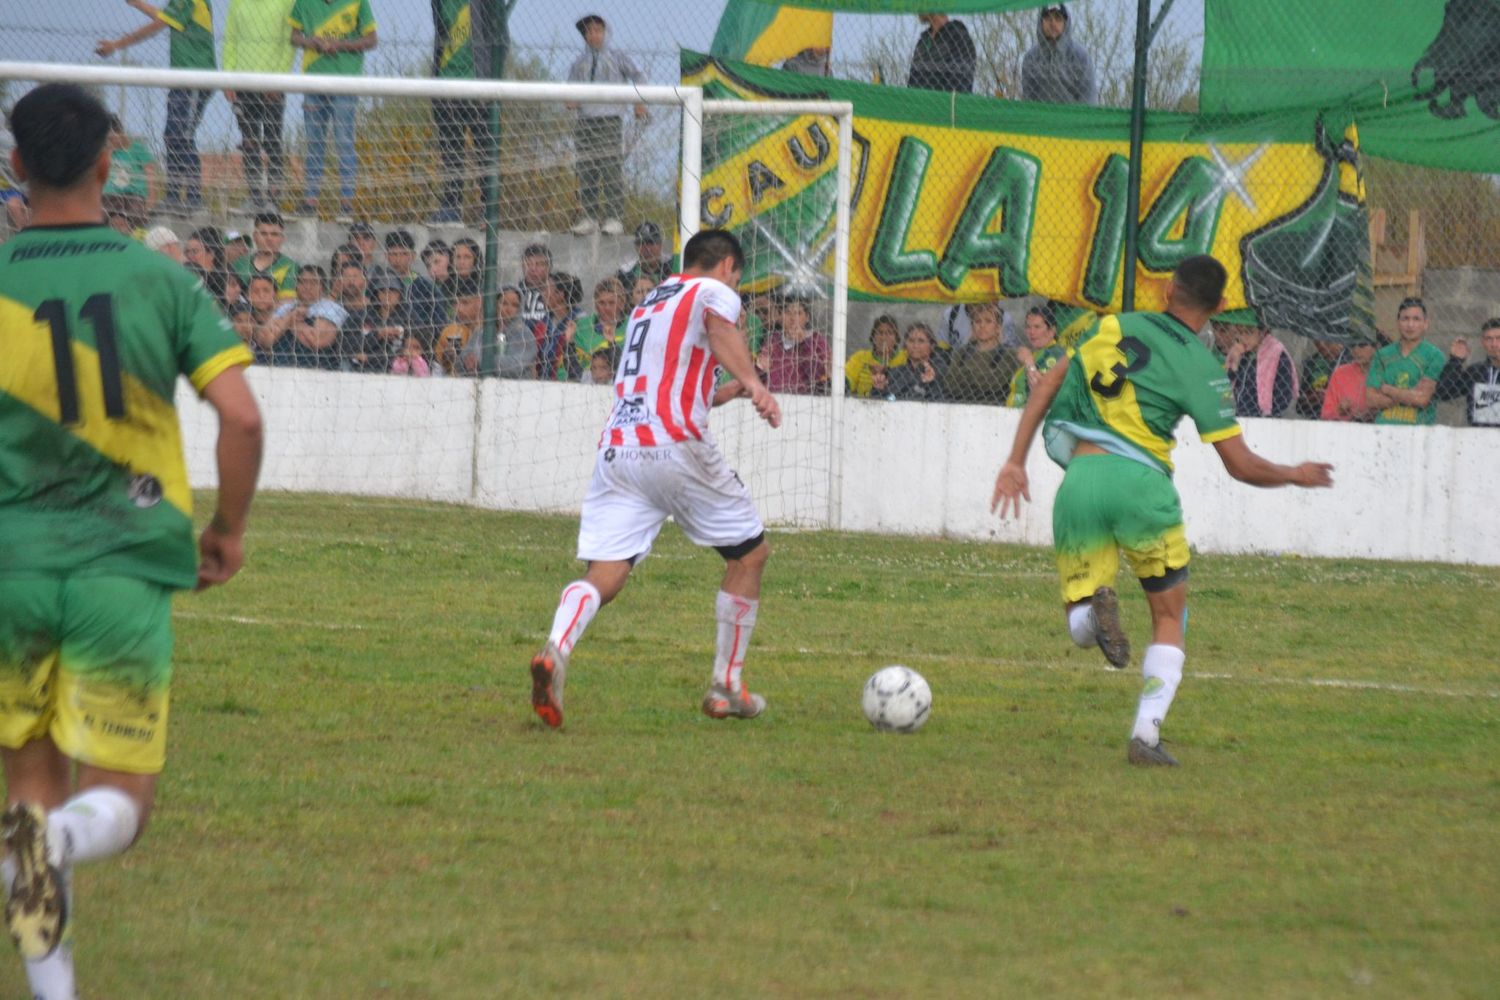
(960, 200)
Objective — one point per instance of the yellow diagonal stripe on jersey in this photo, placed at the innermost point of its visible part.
(1122, 414)
(458, 36)
(148, 439)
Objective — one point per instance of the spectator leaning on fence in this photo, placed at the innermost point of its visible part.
(944, 57)
(867, 372)
(1344, 396)
(649, 261)
(462, 43)
(192, 47)
(1317, 369)
(1261, 373)
(981, 370)
(1041, 337)
(1403, 377)
(269, 233)
(597, 134)
(1479, 384)
(256, 41)
(335, 38)
(1057, 70)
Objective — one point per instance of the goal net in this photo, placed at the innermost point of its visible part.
(435, 275)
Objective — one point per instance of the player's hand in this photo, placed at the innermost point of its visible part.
(1011, 487)
(221, 556)
(1313, 475)
(765, 404)
(106, 49)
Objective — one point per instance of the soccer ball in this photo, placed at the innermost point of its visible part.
(897, 700)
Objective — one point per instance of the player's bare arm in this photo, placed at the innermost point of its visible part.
(1011, 484)
(730, 350)
(239, 451)
(1248, 467)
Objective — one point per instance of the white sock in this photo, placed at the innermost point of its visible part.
(575, 609)
(1162, 668)
(50, 978)
(736, 617)
(94, 824)
(1082, 626)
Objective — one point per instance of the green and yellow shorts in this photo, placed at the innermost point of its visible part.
(87, 660)
(1107, 504)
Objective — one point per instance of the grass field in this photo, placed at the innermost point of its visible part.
(359, 802)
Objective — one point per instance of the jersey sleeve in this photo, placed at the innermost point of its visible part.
(1209, 399)
(720, 300)
(176, 14)
(206, 343)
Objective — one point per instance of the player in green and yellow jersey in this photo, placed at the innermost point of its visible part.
(1111, 408)
(95, 514)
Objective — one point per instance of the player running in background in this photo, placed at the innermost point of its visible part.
(95, 515)
(1111, 407)
(657, 460)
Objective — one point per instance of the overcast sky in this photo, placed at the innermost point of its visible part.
(651, 29)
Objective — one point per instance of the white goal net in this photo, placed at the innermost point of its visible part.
(434, 275)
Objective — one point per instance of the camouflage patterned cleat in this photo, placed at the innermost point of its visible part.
(37, 911)
(722, 703)
(1148, 756)
(549, 670)
(1113, 642)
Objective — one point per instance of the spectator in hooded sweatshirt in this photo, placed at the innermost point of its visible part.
(1057, 70)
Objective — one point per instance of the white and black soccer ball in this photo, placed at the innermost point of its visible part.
(897, 700)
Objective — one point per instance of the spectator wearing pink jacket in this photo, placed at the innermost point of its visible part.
(797, 360)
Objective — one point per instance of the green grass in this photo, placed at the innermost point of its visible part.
(359, 803)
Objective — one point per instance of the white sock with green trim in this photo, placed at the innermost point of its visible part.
(50, 978)
(1162, 668)
(94, 824)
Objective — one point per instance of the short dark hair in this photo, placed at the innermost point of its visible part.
(885, 319)
(60, 130)
(260, 276)
(346, 250)
(537, 250)
(1412, 302)
(400, 238)
(435, 247)
(269, 219)
(1045, 314)
(1490, 324)
(316, 272)
(706, 249)
(351, 263)
(569, 285)
(1201, 280)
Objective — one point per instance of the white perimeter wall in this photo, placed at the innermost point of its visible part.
(906, 468)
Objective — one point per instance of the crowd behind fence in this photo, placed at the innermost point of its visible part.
(373, 299)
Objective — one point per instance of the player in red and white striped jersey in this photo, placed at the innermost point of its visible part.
(657, 460)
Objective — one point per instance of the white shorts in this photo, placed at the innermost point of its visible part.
(634, 490)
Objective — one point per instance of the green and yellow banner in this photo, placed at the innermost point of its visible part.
(968, 198)
(1420, 77)
(765, 34)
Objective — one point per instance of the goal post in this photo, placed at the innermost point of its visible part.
(342, 424)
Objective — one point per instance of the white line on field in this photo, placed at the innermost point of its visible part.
(269, 622)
